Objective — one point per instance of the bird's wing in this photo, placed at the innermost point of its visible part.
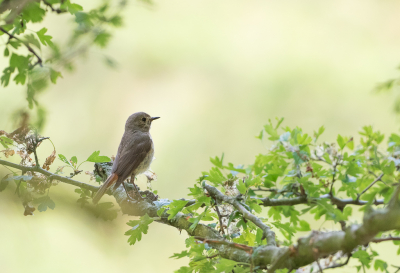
(133, 149)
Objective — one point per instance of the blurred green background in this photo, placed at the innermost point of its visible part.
(215, 71)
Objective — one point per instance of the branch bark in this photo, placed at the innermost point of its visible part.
(293, 257)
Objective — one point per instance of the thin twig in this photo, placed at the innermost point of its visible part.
(384, 239)
(54, 9)
(219, 217)
(370, 185)
(40, 61)
(333, 178)
(340, 265)
(49, 174)
(246, 248)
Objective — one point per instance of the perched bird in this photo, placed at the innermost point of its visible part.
(135, 153)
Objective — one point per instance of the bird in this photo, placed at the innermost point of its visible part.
(135, 153)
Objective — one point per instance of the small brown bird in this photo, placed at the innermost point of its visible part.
(135, 153)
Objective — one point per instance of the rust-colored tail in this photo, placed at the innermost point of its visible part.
(111, 180)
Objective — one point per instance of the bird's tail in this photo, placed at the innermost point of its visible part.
(111, 180)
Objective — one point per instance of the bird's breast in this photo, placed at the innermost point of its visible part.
(145, 164)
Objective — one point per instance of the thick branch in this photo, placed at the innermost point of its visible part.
(323, 243)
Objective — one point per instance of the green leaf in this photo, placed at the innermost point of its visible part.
(54, 75)
(83, 18)
(225, 265)
(217, 162)
(74, 160)
(381, 265)
(44, 203)
(64, 159)
(175, 207)
(300, 157)
(74, 8)
(5, 78)
(341, 142)
(260, 135)
(102, 39)
(20, 62)
(96, 158)
(30, 38)
(271, 131)
(4, 183)
(32, 12)
(161, 211)
(180, 255)
(320, 131)
(363, 257)
(116, 21)
(304, 226)
(5, 141)
(241, 187)
(139, 227)
(20, 78)
(6, 52)
(389, 169)
(44, 39)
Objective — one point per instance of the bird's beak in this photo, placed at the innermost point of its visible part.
(153, 118)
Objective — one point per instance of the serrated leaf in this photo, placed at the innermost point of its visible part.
(44, 203)
(271, 131)
(5, 141)
(54, 75)
(241, 187)
(341, 142)
(96, 158)
(139, 227)
(175, 207)
(44, 39)
(30, 38)
(217, 162)
(304, 226)
(64, 159)
(102, 39)
(5, 78)
(74, 8)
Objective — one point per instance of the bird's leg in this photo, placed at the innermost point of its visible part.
(134, 185)
(127, 193)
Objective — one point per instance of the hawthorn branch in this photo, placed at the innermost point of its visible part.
(219, 216)
(215, 193)
(54, 9)
(293, 257)
(268, 202)
(340, 265)
(385, 239)
(370, 185)
(50, 175)
(11, 36)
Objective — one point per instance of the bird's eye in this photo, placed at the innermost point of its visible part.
(143, 119)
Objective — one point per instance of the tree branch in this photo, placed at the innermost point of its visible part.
(40, 62)
(268, 233)
(370, 185)
(293, 257)
(50, 175)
